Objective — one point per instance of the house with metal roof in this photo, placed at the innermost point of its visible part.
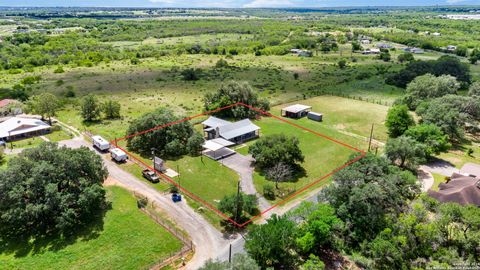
(17, 128)
(235, 132)
(296, 111)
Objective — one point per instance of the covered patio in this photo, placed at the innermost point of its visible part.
(217, 149)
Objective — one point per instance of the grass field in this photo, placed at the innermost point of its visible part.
(321, 155)
(129, 240)
(438, 179)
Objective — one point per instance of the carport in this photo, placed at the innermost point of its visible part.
(217, 149)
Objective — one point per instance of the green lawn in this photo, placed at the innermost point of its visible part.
(129, 240)
(321, 155)
(59, 135)
(438, 179)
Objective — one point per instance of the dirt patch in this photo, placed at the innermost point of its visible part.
(110, 181)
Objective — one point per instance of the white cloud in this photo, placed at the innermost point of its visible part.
(195, 3)
(269, 3)
(454, 1)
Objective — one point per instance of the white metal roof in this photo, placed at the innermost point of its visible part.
(223, 142)
(17, 126)
(212, 146)
(296, 108)
(100, 139)
(237, 129)
(215, 122)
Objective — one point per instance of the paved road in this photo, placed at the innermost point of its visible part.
(207, 239)
(441, 167)
(243, 166)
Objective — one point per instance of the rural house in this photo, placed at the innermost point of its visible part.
(235, 132)
(296, 111)
(18, 128)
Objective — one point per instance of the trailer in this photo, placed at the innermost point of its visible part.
(118, 155)
(315, 116)
(100, 143)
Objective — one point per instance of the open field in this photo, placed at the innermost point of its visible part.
(125, 230)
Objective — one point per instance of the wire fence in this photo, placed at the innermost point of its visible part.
(150, 210)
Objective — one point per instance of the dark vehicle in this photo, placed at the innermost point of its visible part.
(151, 176)
(176, 197)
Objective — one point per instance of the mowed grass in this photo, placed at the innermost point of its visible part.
(346, 115)
(129, 240)
(322, 155)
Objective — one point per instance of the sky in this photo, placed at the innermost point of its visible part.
(233, 3)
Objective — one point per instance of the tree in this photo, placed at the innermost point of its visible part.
(356, 46)
(385, 252)
(364, 193)
(45, 104)
(238, 204)
(231, 93)
(273, 244)
(318, 230)
(239, 262)
(277, 148)
(405, 151)
(461, 51)
(111, 109)
(474, 89)
(313, 263)
(194, 144)
(427, 87)
(221, 63)
(191, 74)
(90, 108)
(398, 120)
(474, 56)
(385, 56)
(342, 63)
(280, 172)
(405, 57)
(51, 190)
(170, 141)
(448, 113)
(431, 136)
(2, 157)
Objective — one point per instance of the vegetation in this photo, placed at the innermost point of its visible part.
(271, 150)
(45, 105)
(111, 109)
(172, 140)
(51, 191)
(239, 262)
(237, 205)
(90, 108)
(398, 120)
(231, 93)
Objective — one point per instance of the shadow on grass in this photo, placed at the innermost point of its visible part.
(22, 246)
(298, 173)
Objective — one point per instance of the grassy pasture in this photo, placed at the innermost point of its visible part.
(125, 231)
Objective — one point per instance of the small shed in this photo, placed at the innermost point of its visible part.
(296, 111)
(315, 116)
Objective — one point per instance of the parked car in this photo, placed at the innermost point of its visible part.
(176, 197)
(151, 176)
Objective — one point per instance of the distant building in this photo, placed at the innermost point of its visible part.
(296, 111)
(451, 48)
(371, 51)
(365, 41)
(299, 52)
(235, 132)
(17, 128)
(414, 50)
(436, 34)
(10, 107)
(384, 46)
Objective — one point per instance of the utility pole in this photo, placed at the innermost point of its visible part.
(230, 254)
(370, 141)
(178, 171)
(238, 202)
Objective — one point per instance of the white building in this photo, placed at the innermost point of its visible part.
(17, 128)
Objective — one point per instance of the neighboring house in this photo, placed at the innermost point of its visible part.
(436, 34)
(365, 41)
(414, 50)
(451, 48)
(235, 132)
(460, 189)
(296, 111)
(305, 53)
(10, 107)
(371, 51)
(384, 46)
(463, 187)
(18, 128)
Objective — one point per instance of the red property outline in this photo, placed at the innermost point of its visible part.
(195, 197)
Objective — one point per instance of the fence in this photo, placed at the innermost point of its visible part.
(149, 210)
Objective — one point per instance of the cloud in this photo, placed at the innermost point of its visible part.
(454, 1)
(195, 3)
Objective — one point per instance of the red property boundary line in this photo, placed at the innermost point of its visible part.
(195, 197)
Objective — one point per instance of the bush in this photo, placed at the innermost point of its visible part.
(59, 69)
(269, 192)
